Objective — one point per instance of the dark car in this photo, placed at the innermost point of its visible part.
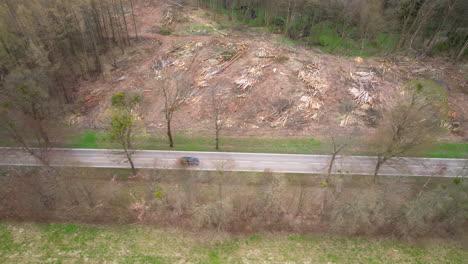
(189, 161)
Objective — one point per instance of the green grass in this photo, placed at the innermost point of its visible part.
(88, 140)
(326, 37)
(92, 139)
(197, 29)
(252, 144)
(165, 31)
(70, 243)
(183, 142)
(434, 93)
(448, 150)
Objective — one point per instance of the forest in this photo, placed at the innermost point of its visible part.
(51, 43)
(419, 27)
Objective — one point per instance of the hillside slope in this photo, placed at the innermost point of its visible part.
(270, 86)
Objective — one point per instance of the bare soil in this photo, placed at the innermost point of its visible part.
(271, 89)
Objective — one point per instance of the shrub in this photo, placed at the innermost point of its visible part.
(216, 214)
(441, 210)
(165, 31)
(282, 59)
(363, 214)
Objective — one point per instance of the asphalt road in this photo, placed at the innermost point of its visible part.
(287, 163)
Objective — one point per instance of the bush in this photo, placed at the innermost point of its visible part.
(227, 55)
(239, 202)
(282, 59)
(277, 24)
(165, 31)
(216, 214)
(364, 214)
(442, 210)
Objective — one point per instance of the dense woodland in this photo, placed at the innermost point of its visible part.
(46, 46)
(418, 27)
(52, 42)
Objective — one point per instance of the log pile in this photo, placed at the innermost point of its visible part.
(310, 75)
(363, 84)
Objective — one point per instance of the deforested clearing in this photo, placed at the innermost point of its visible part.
(269, 86)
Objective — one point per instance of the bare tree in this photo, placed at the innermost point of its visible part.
(28, 119)
(175, 90)
(27, 111)
(134, 20)
(337, 147)
(449, 8)
(410, 124)
(218, 106)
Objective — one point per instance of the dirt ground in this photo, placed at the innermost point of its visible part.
(269, 87)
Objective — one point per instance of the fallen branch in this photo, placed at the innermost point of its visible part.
(215, 29)
(176, 48)
(229, 63)
(191, 63)
(177, 4)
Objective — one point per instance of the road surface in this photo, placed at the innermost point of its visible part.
(286, 163)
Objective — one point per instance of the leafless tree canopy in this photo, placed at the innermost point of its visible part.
(413, 122)
(219, 110)
(174, 88)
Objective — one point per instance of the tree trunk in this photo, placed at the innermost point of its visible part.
(169, 134)
(246, 13)
(439, 29)
(130, 160)
(462, 51)
(291, 17)
(43, 133)
(403, 34)
(133, 167)
(415, 34)
(118, 23)
(343, 35)
(111, 25)
(300, 203)
(97, 58)
(380, 161)
(125, 22)
(97, 23)
(330, 167)
(134, 20)
(220, 188)
(65, 92)
(363, 39)
(217, 140)
(88, 71)
(323, 203)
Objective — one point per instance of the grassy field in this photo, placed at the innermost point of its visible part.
(70, 243)
(183, 142)
(92, 139)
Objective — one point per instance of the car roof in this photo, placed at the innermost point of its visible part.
(190, 158)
